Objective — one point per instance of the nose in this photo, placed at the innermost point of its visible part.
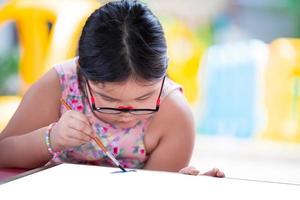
(126, 115)
(126, 107)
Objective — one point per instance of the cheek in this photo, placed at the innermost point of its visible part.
(112, 118)
(107, 118)
(141, 117)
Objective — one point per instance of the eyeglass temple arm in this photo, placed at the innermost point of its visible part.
(161, 89)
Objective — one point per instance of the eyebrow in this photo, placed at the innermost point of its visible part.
(106, 96)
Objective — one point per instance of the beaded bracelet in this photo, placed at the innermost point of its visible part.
(55, 154)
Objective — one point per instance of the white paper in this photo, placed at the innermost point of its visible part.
(92, 182)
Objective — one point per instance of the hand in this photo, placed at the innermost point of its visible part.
(215, 172)
(72, 129)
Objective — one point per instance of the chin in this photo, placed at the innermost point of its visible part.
(125, 124)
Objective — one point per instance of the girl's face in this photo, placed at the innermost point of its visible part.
(131, 93)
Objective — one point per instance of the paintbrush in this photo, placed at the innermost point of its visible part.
(99, 143)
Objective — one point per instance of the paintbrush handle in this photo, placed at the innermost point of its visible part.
(112, 158)
(99, 143)
(65, 104)
(97, 140)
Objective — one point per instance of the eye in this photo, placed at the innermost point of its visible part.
(109, 99)
(143, 98)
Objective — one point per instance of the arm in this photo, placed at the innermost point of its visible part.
(22, 141)
(175, 146)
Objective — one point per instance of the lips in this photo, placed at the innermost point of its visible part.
(126, 124)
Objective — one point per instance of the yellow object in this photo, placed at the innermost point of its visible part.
(282, 92)
(42, 47)
(185, 51)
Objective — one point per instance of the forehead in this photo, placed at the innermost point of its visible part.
(128, 85)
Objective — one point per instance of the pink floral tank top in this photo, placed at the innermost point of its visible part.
(127, 145)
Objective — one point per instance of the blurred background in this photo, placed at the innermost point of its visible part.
(237, 60)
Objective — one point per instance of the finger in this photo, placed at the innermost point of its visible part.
(193, 171)
(81, 126)
(183, 170)
(70, 140)
(79, 135)
(74, 142)
(220, 174)
(79, 116)
(189, 171)
(215, 172)
(211, 172)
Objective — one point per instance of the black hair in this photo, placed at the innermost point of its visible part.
(122, 39)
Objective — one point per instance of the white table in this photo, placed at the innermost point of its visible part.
(68, 181)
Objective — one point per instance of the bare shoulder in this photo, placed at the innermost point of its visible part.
(176, 115)
(171, 130)
(38, 108)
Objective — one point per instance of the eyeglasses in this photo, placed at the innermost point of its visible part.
(125, 109)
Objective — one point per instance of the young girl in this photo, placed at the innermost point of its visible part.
(118, 89)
